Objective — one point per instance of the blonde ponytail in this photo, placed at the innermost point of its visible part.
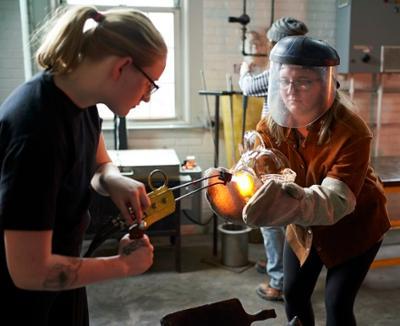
(121, 32)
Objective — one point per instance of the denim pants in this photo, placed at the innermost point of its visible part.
(274, 239)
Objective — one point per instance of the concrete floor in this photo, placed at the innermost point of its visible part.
(143, 300)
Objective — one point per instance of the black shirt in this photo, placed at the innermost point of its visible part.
(47, 159)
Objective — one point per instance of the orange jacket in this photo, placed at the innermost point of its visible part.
(345, 157)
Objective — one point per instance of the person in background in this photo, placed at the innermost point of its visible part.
(52, 151)
(257, 85)
(256, 43)
(335, 211)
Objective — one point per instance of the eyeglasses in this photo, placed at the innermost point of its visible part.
(300, 84)
(154, 87)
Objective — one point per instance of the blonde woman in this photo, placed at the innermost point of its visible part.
(52, 150)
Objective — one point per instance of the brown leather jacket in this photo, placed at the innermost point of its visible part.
(346, 157)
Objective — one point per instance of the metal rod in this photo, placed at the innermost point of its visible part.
(244, 31)
(272, 12)
(244, 108)
(193, 182)
(378, 115)
(244, 19)
(198, 189)
(210, 125)
(216, 133)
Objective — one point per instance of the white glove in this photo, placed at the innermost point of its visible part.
(276, 204)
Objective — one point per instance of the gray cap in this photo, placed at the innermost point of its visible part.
(286, 26)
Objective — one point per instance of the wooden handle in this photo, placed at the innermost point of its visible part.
(135, 233)
(262, 315)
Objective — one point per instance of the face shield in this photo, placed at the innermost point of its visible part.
(302, 81)
(256, 165)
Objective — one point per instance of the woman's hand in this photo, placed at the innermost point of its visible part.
(137, 255)
(128, 195)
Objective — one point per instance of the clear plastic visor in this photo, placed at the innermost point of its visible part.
(299, 95)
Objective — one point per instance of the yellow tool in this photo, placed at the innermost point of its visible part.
(163, 200)
(162, 204)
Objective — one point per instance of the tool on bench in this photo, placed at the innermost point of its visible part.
(162, 204)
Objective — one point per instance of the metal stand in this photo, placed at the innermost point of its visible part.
(217, 95)
(120, 133)
(245, 99)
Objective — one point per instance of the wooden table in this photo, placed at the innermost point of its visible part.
(388, 169)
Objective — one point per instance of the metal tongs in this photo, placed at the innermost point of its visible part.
(162, 205)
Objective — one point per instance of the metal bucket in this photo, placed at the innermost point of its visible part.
(234, 244)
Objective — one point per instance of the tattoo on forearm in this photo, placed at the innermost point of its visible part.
(62, 276)
(131, 247)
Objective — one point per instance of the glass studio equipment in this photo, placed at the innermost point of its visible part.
(163, 204)
(257, 165)
(228, 190)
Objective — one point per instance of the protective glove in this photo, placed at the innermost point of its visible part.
(277, 204)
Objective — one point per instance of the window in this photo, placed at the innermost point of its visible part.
(165, 16)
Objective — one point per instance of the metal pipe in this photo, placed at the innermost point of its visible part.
(244, 19)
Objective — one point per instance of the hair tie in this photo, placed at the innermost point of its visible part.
(98, 17)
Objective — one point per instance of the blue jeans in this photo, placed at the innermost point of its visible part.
(274, 239)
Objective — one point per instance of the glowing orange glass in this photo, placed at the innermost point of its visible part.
(245, 183)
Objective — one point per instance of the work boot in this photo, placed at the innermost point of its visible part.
(268, 293)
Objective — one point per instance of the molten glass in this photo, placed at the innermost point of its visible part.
(245, 183)
(225, 200)
(256, 166)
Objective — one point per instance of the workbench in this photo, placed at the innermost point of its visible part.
(388, 169)
(138, 164)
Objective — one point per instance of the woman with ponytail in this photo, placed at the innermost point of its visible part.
(51, 153)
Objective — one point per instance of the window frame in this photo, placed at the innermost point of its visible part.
(108, 123)
(188, 58)
(188, 62)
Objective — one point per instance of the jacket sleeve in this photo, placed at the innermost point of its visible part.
(278, 203)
